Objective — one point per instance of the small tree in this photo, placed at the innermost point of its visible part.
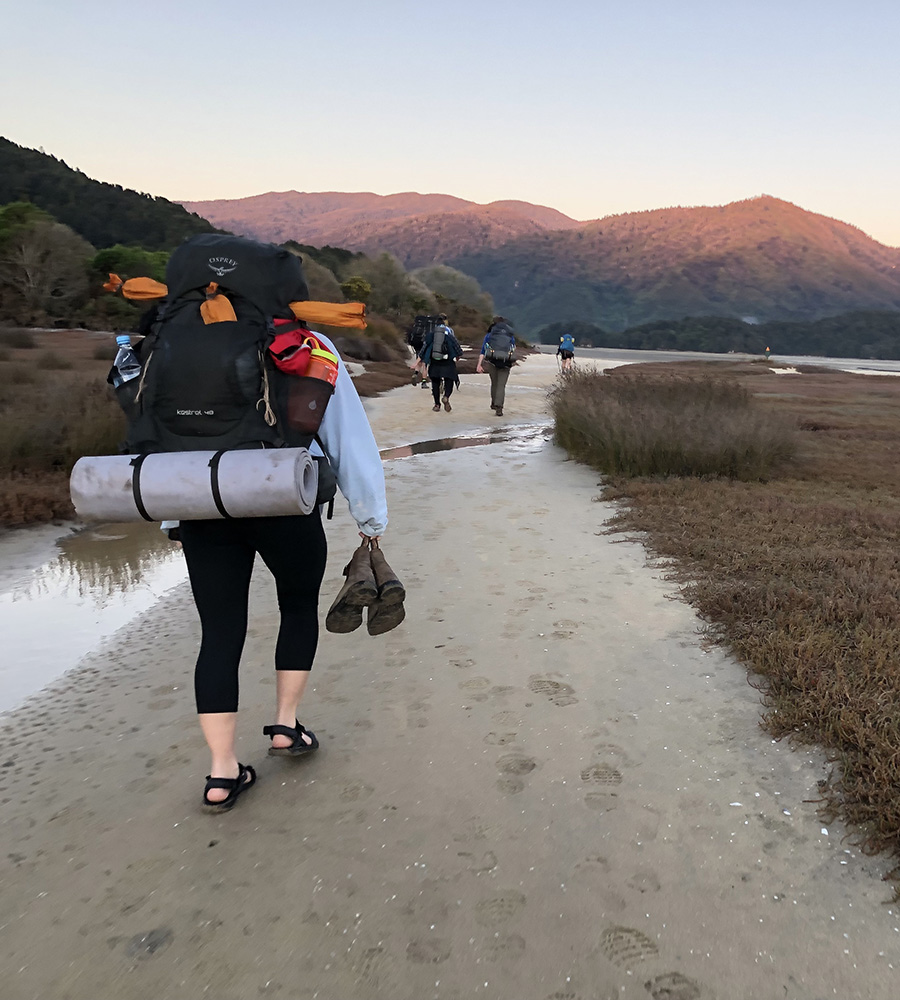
(43, 264)
(356, 289)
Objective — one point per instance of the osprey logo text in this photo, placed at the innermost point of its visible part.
(222, 265)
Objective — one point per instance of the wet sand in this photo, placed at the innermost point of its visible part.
(539, 787)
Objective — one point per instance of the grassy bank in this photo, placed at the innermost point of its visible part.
(792, 563)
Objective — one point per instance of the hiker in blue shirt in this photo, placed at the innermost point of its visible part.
(438, 355)
(566, 351)
(498, 350)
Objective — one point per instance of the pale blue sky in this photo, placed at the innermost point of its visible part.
(593, 108)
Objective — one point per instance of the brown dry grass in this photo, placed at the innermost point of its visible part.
(800, 576)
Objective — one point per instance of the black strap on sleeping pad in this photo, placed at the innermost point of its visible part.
(214, 482)
(136, 464)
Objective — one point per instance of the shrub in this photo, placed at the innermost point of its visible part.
(51, 361)
(104, 352)
(18, 339)
(63, 421)
(675, 426)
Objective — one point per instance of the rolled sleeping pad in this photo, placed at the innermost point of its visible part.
(195, 485)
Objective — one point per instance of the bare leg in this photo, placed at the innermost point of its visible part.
(219, 728)
(289, 688)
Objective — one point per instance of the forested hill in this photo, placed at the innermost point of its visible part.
(104, 214)
(762, 259)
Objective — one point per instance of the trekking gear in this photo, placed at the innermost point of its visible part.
(446, 403)
(499, 347)
(421, 327)
(196, 485)
(387, 611)
(360, 590)
(437, 407)
(567, 343)
(372, 584)
(210, 380)
(298, 747)
(246, 779)
(440, 346)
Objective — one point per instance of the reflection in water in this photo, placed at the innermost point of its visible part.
(106, 561)
(101, 580)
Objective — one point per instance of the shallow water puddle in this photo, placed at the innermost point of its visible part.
(100, 580)
(527, 437)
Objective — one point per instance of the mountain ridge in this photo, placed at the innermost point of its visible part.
(761, 257)
(352, 219)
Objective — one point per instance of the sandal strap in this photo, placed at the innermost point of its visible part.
(229, 784)
(282, 731)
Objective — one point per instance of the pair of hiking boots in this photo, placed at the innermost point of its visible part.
(372, 584)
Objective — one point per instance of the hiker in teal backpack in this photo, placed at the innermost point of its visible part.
(566, 351)
(499, 351)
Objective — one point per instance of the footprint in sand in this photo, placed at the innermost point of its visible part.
(516, 763)
(355, 791)
(593, 863)
(499, 909)
(601, 801)
(644, 880)
(504, 948)
(557, 692)
(486, 862)
(601, 774)
(428, 951)
(499, 739)
(672, 986)
(626, 946)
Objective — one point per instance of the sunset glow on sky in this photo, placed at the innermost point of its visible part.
(593, 108)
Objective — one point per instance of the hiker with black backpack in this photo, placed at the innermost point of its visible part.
(438, 355)
(422, 325)
(498, 350)
(228, 366)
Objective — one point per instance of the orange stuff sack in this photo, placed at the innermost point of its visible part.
(345, 314)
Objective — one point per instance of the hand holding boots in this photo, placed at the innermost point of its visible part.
(372, 584)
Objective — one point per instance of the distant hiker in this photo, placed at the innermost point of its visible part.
(566, 351)
(219, 362)
(421, 326)
(438, 355)
(498, 350)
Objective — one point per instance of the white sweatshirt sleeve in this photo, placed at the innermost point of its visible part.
(350, 446)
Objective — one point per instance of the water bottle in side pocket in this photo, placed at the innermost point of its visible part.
(127, 364)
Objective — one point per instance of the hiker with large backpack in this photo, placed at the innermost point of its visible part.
(421, 326)
(566, 352)
(228, 366)
(499, 351)
(438, 356)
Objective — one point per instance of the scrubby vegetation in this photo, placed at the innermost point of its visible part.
(678, 426)
(798, 573)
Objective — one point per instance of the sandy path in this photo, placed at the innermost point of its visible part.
(539, 787)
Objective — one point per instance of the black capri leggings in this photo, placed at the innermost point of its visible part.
(220, 557)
